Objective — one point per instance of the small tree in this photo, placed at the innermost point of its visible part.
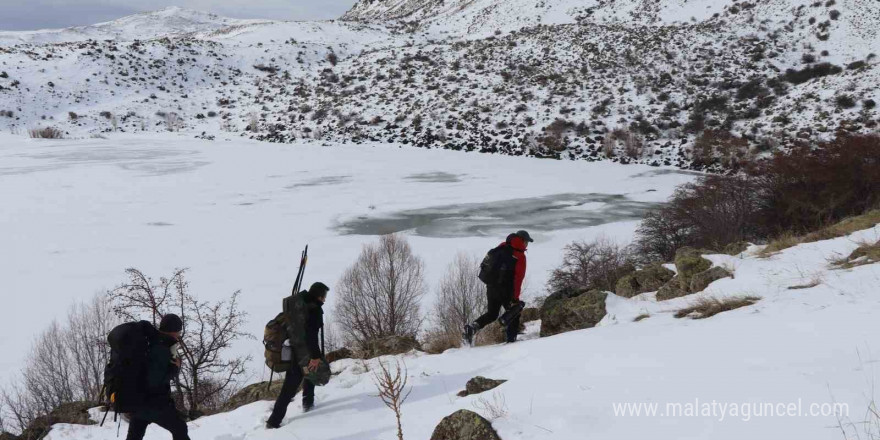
(379, 295)
(391, 381)
(209, 331)
(461, 297)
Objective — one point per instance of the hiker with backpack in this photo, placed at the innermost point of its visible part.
(503, 271)
(303, 357)
(143, 362)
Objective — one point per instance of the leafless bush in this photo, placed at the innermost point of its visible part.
(379, 295)
(173, 121)
(209, 331)
(46, 133)
(492, 409)
(460, 299)
(66, 364)
(709, 213)
(633, 145)
(591, 265)
(391, 382)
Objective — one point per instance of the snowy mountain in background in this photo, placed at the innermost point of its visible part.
(171, 21)
(706, 84)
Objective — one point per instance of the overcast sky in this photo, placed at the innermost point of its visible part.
(43, 14)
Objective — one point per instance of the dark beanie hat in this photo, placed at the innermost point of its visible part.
(171, 323)
(318, 289)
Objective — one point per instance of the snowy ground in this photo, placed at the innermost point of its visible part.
(76, 213)
(796, 348)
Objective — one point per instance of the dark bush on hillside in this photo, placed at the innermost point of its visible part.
(844, 101)
(809, 188)
(591, 265)
(46, 133)
(709, 213)
(810, 72)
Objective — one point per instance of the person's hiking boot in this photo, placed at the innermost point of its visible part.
(272, 425)
(308, 405)
(468, 335)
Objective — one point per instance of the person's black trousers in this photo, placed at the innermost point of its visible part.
(165, 416)
(292, 380)
(496, 302)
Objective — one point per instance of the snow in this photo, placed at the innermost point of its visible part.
(794, 347)
(238, 213)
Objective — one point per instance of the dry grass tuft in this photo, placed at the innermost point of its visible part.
(866, 253)
(641, 317)
(844, 227)
(46, 133)
(707, 307)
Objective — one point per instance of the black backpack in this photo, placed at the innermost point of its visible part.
(125, 373)
(492, 271)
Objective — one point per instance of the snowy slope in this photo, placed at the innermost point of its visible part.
(812, 348)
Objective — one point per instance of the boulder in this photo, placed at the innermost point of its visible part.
(530, 314)
(700, 281)
(75, 413)
(479, 385)
(490, 335)
(254, 393)
(564, 314)
(670, 290)
(389, 345)
(689, 262)
(643, 280)
(464, 425)
(342, 353)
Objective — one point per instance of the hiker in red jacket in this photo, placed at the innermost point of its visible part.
(505, 293)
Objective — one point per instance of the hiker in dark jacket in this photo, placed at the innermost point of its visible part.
(506, 293)
(163, 366)
(314, 298)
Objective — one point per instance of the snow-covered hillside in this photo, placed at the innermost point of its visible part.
(810, 350)
(702, 83)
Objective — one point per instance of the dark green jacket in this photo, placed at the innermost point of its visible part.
(160, 370)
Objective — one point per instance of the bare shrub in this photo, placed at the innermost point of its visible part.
(632, 144)
(209, 330)
(591, 265)
(173, 121)
(709, 213)
(391, 382)
(46, 133)
(461, 298)
(379, 295)
(809, 188)
(493, 409)
(66, 364)
(720, 147)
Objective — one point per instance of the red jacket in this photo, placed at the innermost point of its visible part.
(519, 273)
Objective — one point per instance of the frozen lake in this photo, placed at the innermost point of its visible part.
(76, 213)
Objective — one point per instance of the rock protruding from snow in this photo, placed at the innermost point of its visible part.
(701, 281)
(464, 425)
(689, 262)
(479, 385)
(390, 345)
(254, 393)
(74, 413)
(565, 312)
(336, 355)
(644, 280)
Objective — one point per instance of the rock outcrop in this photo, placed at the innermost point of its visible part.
(464, 425)
(566, 312)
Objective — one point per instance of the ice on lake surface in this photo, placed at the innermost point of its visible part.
(546, 213)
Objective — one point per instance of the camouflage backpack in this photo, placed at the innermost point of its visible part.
(291, 324)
